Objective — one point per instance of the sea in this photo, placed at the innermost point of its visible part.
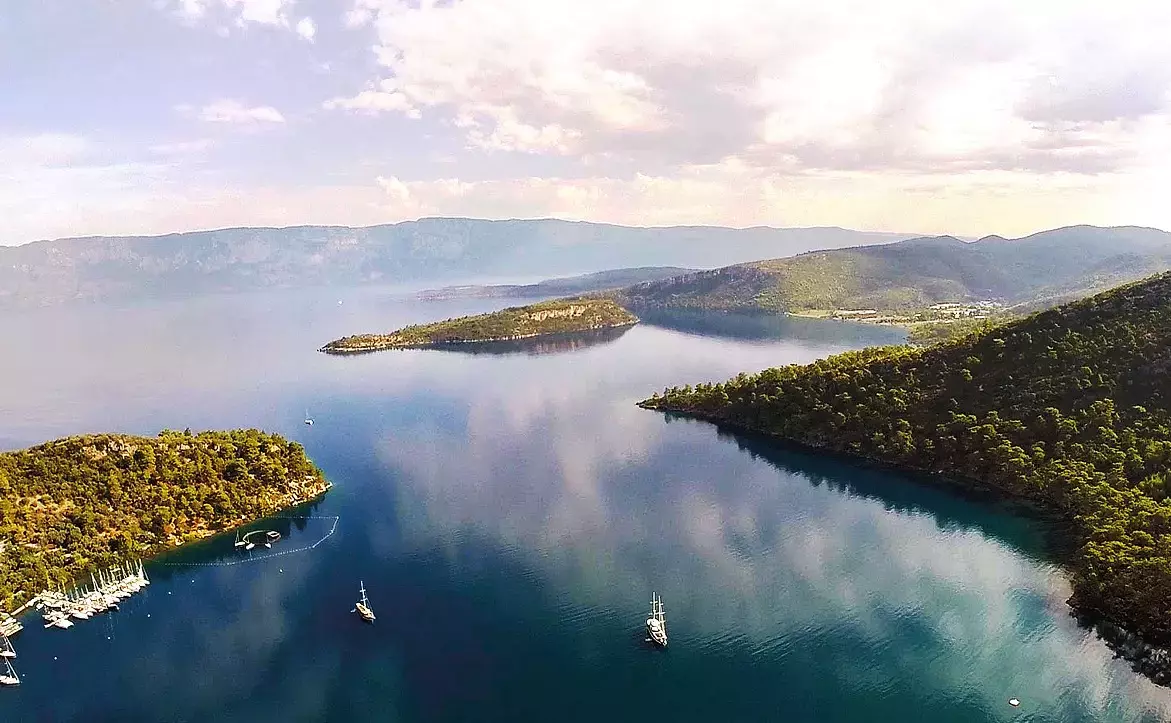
(510, 511)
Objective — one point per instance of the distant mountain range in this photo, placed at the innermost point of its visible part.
(565, 286)
(1040, 270)
(425, 251)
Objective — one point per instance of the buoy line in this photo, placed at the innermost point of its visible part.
(258, 558)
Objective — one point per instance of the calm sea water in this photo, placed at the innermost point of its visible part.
(510, 514)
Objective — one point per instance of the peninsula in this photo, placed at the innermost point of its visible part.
(563, 316)
(80, 503)
(1069, 409)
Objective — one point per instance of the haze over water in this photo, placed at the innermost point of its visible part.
(510, 515)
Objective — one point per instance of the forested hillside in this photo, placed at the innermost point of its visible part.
(562, 316)
(79, 502)
(1070, 408)
(1047, 268)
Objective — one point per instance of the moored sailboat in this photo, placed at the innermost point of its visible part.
(363, 605)
(9, 677)
(656, 624)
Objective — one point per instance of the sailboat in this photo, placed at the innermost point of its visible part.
(363, 606)
(656, 624)
(308, 419)
(6, 649)
(9, 677)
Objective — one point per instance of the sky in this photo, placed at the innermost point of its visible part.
(968, 117)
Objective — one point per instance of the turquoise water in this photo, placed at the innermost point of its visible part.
(510, 514)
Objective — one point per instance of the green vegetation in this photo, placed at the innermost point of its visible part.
(909, 276)
(935, 332)
(519, 322)
(82, 502)
(1069, 408)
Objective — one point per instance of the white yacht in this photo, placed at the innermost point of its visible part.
(656, 624)
(363, 606)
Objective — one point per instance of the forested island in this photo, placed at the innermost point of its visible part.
(78, 503)
(1069, 408)
(563, 316)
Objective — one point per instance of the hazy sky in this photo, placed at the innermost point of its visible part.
(961, 116)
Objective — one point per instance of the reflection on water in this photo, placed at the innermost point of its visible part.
(510, 515)
(762, 326)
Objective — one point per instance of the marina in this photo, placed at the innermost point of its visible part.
(9, 625)
(106, 590)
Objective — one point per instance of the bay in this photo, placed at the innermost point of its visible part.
(510, 513)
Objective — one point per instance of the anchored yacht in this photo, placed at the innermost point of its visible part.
(363, 606)
(656, 624)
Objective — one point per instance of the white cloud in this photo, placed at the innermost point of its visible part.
(307, 29)
(235, 112)
(844, 85)
(242, 12)
(181, 148)
(374, 101)
(733, 193)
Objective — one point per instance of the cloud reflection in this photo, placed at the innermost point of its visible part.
(608, 502)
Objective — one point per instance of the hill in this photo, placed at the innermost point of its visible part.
(565, 286)
(82, 502)
(428, 250)
(1043, 269)
(1069, 408)
(564, 316)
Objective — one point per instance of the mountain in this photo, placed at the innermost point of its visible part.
(565, 286)
(1045, 268)
(427, 250)
(1069, 408)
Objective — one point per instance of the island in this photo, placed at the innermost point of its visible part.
(1068, 409)
(77, 504)
(563, 316)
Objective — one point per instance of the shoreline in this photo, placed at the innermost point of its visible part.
(194, 536)
(342, 351)
(1145, 657)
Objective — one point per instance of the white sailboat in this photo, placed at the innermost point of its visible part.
(9, 677)
(6, 649)
(656, 624)
(363, 606)
(308, 419)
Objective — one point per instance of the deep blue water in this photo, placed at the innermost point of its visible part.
(510, 514)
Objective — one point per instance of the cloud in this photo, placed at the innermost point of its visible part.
(181, 148)
(274, 13)
(373, 101)
(307, 29)
(235, 112)
(788, 86)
